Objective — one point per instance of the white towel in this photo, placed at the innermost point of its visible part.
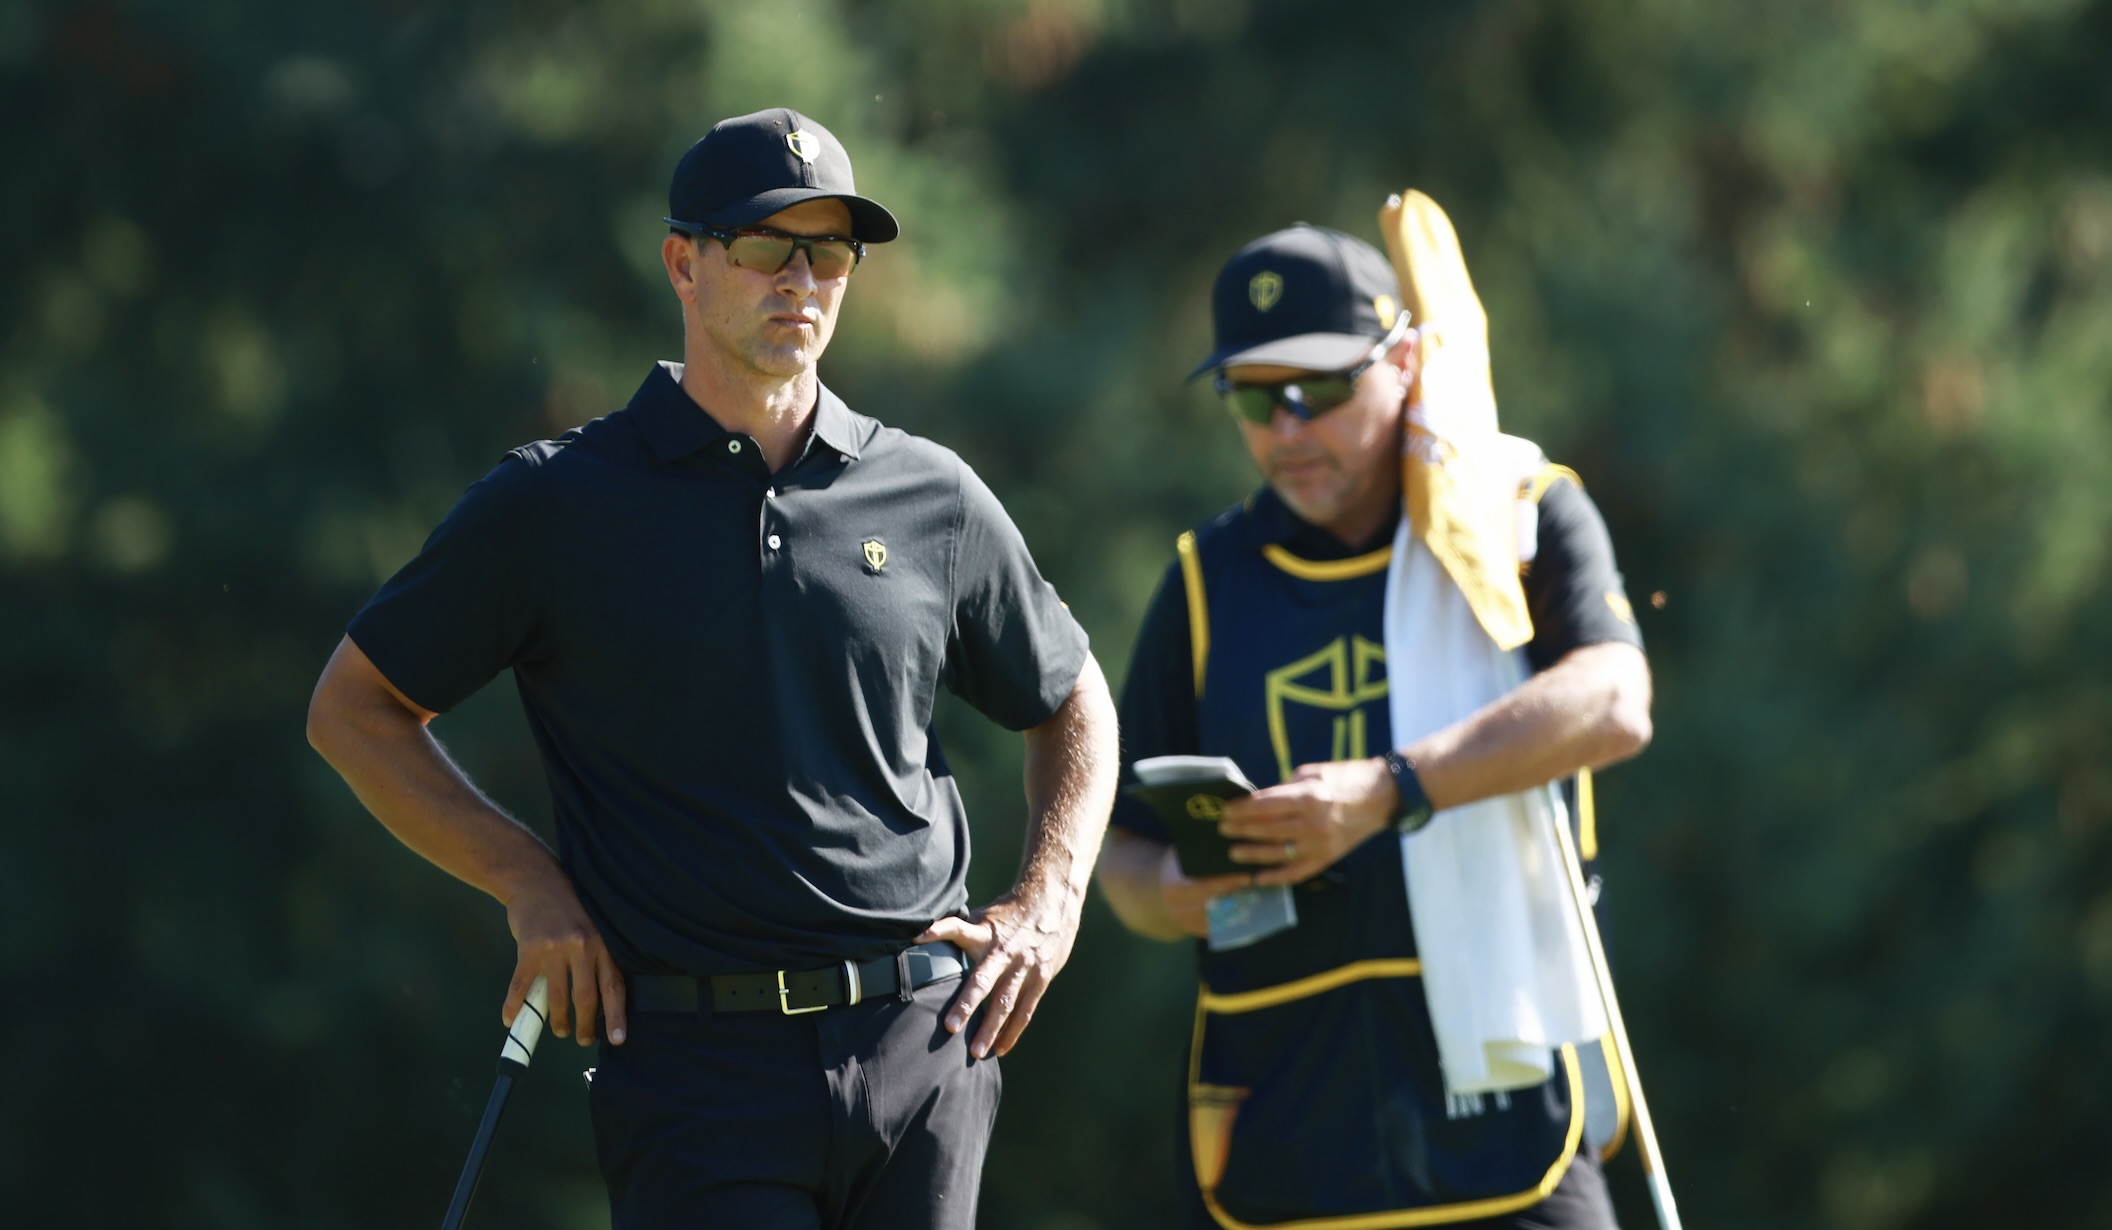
(1504, 964)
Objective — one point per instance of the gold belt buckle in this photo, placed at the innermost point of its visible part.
(784, 999)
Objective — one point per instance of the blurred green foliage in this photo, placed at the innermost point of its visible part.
(1815, 295)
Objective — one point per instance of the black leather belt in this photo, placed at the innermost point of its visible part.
(793, 992)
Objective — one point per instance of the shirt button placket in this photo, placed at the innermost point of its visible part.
(770, 522)
(771, 542)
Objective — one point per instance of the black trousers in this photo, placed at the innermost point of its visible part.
(870, 1117)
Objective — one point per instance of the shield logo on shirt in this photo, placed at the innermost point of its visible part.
(875, 554)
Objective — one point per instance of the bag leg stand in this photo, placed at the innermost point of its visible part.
(1645, 1133)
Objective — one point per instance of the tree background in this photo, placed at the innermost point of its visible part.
(1816, 295)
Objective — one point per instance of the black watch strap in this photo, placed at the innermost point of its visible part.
(1414, 810)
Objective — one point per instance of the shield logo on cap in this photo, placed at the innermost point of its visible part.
(803, 144)
(875, 554)
(1387, 309)
(1264, 289)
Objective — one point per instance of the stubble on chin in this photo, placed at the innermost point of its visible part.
(794, 354)
(781, 361)
(1315, 500)
(780, 356)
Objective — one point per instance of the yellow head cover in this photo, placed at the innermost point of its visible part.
(1460, 502)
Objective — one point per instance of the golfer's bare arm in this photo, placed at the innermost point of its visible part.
(1071, 764)
(1021, 940)
(377, 739)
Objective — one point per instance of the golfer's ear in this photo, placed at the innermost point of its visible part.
(677, 254)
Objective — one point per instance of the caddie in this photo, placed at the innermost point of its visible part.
(729, 607)
(1413, 617)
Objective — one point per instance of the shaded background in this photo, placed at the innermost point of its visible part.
(1815, 295)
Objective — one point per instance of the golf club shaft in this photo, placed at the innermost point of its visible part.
(1645, 1132)
(514, 1054)
(466, 1186)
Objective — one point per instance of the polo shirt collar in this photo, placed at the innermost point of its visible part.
(834, 424)
(675, 426)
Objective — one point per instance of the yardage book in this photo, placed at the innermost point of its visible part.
(1189, 793)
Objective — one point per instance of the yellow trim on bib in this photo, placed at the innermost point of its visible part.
(1285, 992)
(1617, 1076)
(1437, 1215)
(1548, 476)
(1328, 569)
(1588, 847)
(1198, 608)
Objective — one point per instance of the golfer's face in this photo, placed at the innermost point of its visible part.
(775, 323)
(1337, 470)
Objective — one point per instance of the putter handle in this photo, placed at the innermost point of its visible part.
(527, 1028)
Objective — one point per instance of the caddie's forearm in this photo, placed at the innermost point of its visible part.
(1072, 761)
(1589, 710)
(399, 771)
(1129, 876)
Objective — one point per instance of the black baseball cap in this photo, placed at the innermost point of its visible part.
(1304, 296)
(751, 166)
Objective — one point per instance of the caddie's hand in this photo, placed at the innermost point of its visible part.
(558, 941)
(1018, 943)
(1186, 898)
(1297, 830)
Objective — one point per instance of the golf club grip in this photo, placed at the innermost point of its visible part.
(466, 1186)
(527, 1027)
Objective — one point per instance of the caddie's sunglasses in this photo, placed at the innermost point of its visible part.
(1305, 398)
(767, 250)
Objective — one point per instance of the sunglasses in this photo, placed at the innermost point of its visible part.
(1307, 397)
(767, 251)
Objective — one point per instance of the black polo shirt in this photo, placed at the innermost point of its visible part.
(730, 673)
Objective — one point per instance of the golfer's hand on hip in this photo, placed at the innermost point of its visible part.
(1018, 943)
(1297, 830)
(558, 941)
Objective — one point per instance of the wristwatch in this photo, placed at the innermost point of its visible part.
(1414, 810)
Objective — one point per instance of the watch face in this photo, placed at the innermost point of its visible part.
(1413, 810)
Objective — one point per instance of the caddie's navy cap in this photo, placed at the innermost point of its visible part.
(1305, 297)
(751, 166)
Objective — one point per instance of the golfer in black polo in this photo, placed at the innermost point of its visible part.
(728, 608)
